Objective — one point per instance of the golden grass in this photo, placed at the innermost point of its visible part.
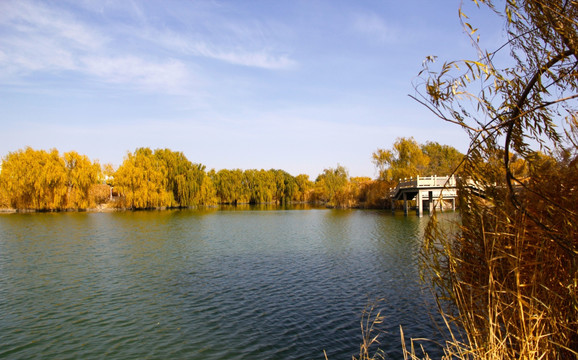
(371, 319)
(506, 276)
(510, 273)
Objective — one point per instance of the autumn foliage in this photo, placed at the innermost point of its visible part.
(507, 276)
(45, 180)
(407, 158)
(162, 178)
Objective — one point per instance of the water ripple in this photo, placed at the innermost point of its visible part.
(205, 285)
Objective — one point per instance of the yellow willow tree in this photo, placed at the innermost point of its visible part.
(82, 175)
(305, 187)
(4, 198)
(142, 181)
(230, 187)
(208, 192)
(511, 271)
(16, 185)
(34, 179)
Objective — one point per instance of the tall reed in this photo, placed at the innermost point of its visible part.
(508, 278)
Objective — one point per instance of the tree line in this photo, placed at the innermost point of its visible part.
(48, 181)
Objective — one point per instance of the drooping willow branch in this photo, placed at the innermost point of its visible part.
(516, 115)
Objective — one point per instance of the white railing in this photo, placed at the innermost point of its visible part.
(425, 182)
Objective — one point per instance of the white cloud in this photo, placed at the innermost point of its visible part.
(40, 39)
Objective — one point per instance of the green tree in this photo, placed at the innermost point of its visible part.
(291, 188)
(279, 177)
(286, 187)
(261, 185)
(183, 178)
(406, 159)
(443, 159)
(333, 186)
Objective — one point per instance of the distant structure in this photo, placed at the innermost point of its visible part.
(432, 191)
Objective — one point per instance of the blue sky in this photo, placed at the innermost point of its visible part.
(293, 85)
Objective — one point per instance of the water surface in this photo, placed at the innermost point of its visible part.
(207, 284)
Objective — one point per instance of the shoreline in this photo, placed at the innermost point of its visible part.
(24, 211)
(107, 208)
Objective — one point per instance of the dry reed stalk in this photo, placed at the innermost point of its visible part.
(511, 282)
(370, 333)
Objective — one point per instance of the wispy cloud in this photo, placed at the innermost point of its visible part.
(236, 55)
(42, 39)
(374, 26)
(260, 59)
(213, 31)
(30, 18)
(165, 76)
(251, 44)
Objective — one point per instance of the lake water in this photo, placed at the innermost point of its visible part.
(262, 283)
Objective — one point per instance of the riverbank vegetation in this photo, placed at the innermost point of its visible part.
(507, 280)
(147, 179)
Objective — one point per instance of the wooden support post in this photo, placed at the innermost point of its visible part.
(404, 203)
(430, 203)
(419, 209)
